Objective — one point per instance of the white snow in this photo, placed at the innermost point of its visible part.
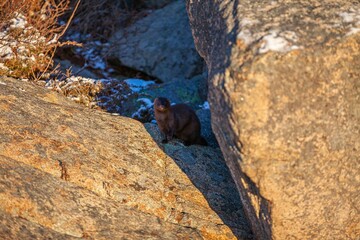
(18, 22)
(205, 105)
(352, 17)
(97, 63)
(5, 51)
(93, 51)
(20, 46)
(274, 42)
(138, 112)
(248, 22)
(147, 102)
(2, 66)
(137, 85)
(348, 16)
(81, 79)
(353, 30)
(246, 36)
(53, 41)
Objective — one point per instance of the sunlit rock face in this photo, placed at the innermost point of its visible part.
(69, 172)
(285, 100)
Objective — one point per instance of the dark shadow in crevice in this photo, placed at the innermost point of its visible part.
(217, 45)
(207, 170)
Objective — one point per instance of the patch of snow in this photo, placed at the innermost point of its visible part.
(20, 46)
(75, 99)
(348, 17)
(137, 85)
(5, 51)
(81, 79)
(248, 22)
(137, 114)
(274, 42)
(93, 51)
(245, 33)
(18, 22)
(246, 36)
(97, 63)
(32, 58)
(53, 41)
(352, 17)
(148, 103)
(205, 105)
(3, 67)
(353, 30)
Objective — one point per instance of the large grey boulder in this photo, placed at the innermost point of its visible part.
(160, 45)
(155, 3)
(284, 92)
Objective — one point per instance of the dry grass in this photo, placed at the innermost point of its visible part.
(104, 94)
(27, 49)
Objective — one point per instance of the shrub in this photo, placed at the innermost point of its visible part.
(29, 35)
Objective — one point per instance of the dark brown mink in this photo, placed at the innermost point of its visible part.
(178, 121)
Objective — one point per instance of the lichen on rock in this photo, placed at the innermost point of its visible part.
(67, 171)
(284, 90)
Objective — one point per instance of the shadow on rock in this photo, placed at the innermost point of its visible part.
(207, 170)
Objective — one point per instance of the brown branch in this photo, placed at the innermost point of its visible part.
(60, 35)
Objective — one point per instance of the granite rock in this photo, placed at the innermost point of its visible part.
(69, 172)
(285, 100)
(159, 44)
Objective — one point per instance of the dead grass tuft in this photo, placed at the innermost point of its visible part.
(29, 33)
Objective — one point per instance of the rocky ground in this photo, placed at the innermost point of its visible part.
(84, 171)
(68, 171)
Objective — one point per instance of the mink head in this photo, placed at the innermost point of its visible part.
(161, 104)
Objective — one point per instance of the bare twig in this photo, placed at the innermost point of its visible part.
(60, 35)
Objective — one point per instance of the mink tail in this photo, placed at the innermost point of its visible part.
(202, 141)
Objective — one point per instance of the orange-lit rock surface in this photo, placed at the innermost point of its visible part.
(70, 172)
(284, 93)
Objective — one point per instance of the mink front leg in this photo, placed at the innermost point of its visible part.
(165, 139)
(169, 135)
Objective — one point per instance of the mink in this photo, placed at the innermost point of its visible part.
(179, 121)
